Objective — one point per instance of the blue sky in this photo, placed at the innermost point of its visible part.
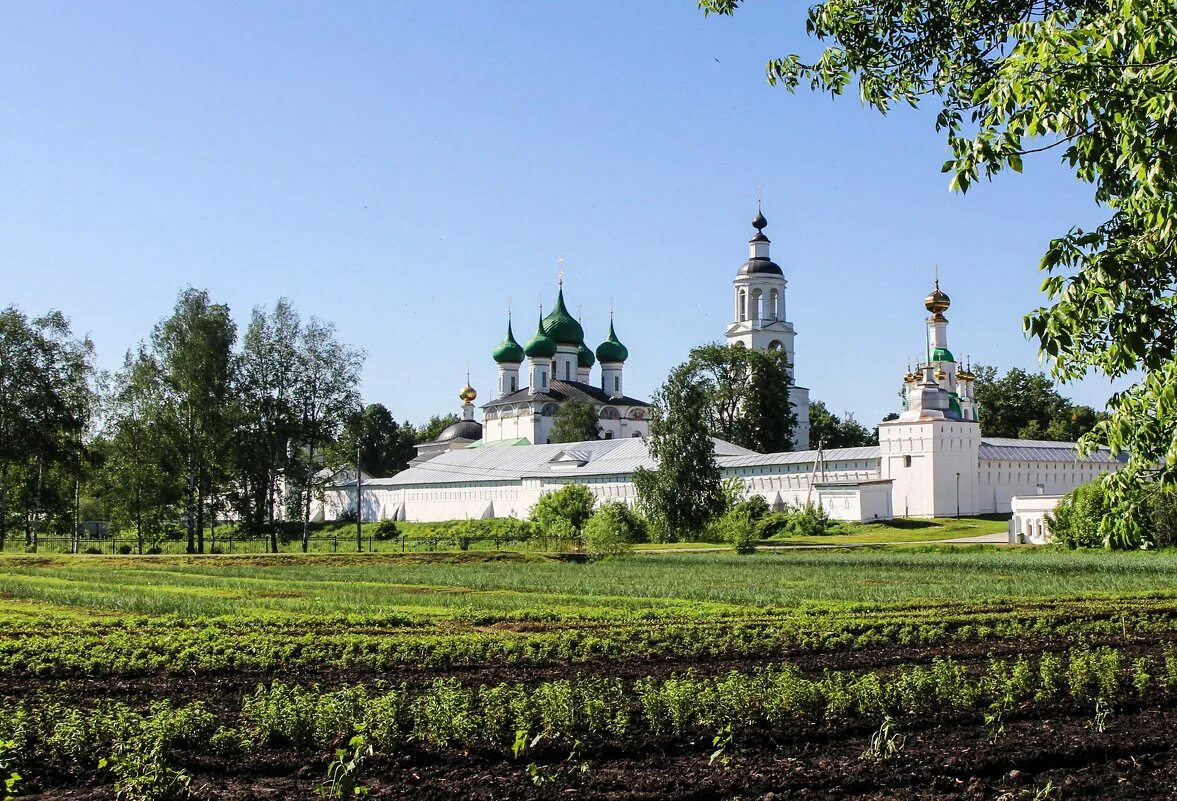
(407, 170)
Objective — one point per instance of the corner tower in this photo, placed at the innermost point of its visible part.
(759, 319)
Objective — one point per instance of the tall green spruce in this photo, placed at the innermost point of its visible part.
(1092, 83)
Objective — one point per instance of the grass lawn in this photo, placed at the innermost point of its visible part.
(678, 584)
(907, 530)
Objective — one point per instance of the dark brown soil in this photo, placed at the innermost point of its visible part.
(1133, 758)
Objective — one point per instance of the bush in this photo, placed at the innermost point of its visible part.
(387, 530)
(90, 549)
(572, 503)
(737, 528)
(125, 549)
(154, 549)
(809, 521)
(1161, 508)
(1077, 517)
(613, 530)
(755, 507)
(774, 524)
(216, 549)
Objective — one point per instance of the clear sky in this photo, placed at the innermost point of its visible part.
(406, 170)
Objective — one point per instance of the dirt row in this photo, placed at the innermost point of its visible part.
(1056, 746)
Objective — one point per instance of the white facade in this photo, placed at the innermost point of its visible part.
(1028, 525)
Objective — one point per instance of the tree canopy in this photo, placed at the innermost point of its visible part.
(1093, 82)
(745, 395)
(683, 493)
(1025, 405)
(575, 421)
(828, 430)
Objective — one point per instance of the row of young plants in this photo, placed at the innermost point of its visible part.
(152, 750)
(129, 650)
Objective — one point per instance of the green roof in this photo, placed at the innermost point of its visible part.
(942, 355)
(541, 345)
(499, 443)
(611, 350)
(562, 326)
(508, 351)
(584, 357)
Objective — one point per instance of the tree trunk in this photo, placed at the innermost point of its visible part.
(191, 484)
(3, 504)
(37, 501)
(200, 516)
(272, 480)
(306, 509)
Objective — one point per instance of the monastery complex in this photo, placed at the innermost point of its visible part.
(930, 462)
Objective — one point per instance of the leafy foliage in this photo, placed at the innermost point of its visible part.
(1078, 518)
(1024, 405)
(683, 492)
(575, 421)
(568, 508)
(1092, 81)
(826, 429)
(613, 530)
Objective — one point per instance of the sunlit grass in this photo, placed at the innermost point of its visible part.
(656, 583)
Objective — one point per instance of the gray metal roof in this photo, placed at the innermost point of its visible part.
(479, 465)
(802, 457)
(1034, 450)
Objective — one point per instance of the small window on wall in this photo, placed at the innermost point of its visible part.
(907, 461)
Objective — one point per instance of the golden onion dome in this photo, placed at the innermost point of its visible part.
(909, 377)
(467, 395)
(940, 374)
(937, 302)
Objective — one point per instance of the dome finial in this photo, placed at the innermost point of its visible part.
(759, 223)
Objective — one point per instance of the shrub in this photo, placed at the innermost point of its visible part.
(93, 550)
(387, 530)
(774, 524)
(613, 530)
(124, 549)
(755, 507)
(572, 503)
(737, 528)
(154, 549)
(1077, 517)
(1161, 508)
(216, 549)
(809, 521)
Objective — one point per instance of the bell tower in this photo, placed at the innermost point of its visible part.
(759, 320)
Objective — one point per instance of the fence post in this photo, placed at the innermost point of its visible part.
(230, 543)
(369, 542)
(334, 543)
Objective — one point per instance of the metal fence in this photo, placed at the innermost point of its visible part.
(334, 542)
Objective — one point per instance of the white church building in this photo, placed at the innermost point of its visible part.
(930, 462)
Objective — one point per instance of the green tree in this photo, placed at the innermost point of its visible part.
(325, 396)
(747, 395)
(575, 421)
(572, 504)
(266, 415)
(431, 430)
(194, 350)
(1027, 405)
(1093, 82)
(828, 430)
(683, 492)
(1078, 518)
(385, 446)
(141, 484)
(613, 530)
(45, 402)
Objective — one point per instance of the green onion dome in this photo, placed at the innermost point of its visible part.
(541, 345)
(584, 357)
(611, 350)
(508, 351)
(942, 355)
(562, 326)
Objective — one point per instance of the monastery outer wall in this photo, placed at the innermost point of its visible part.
(999, 480)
